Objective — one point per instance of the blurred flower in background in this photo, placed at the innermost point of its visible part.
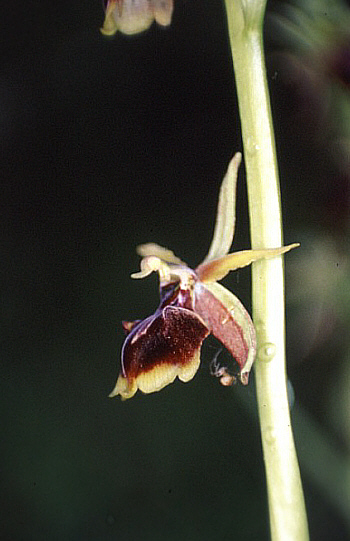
(135, 16)
(314, 43)
(314, 61)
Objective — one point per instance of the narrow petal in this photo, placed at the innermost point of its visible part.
(226, 212)
(159, 349)
(152, 249)
(229, 322)
(217, 269)
(151, 264)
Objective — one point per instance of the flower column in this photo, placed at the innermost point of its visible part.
(286, 502)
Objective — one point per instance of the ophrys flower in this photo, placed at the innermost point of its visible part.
(167, 344)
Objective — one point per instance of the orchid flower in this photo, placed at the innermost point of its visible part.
(167, 344)
(134, 16)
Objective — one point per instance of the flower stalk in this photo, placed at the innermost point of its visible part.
(286, 501)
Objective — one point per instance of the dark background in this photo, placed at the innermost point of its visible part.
(107, 143)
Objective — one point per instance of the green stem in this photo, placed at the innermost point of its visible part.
(286, 501)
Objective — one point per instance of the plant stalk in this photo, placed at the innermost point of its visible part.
(288, 520)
